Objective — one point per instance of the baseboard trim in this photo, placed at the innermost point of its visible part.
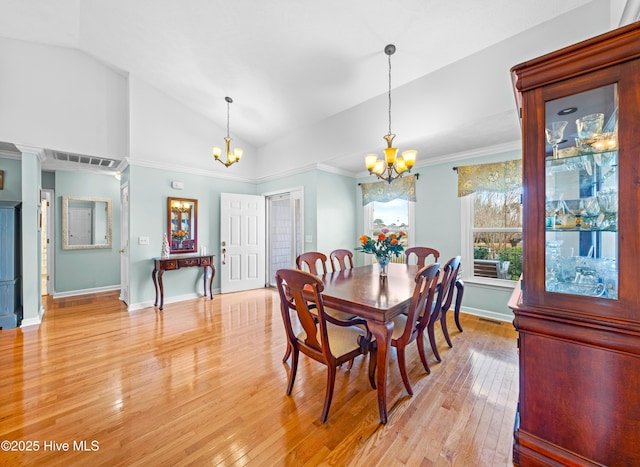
(167, 300)
(73, 293)
(492, 315)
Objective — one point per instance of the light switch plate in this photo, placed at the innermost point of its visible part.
(177, 185)
(143, 240)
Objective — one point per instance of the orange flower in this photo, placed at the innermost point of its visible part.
(394, 241)
(402, 233)
(382, 237)
(393, 236)
(364, 239)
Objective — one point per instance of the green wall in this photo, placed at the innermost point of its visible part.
(12, 184)
(336, 213)
(80, 270)
(149, 189)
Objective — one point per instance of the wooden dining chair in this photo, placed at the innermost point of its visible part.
(310, 259)
(422, 252)
(443, 299)
(406, 326)
(341, 259)
(317, 334)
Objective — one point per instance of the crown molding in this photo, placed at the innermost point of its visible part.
(187, 170)
(486, 151)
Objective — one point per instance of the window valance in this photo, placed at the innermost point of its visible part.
(401, 188)
(498, 176)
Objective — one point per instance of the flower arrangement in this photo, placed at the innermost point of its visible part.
(384, 245)
(179, 235)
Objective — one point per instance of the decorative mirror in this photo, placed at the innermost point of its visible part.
(86, 223)
(182, 214)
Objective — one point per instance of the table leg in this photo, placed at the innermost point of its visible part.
(382, 333)
(154, 275)
(160, 273)
(213, 274)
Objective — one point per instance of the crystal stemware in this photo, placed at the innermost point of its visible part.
(579, 208)
(608, 202)
(555, 134)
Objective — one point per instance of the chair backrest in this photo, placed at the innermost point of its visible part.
(422, 252)
(291, 284)
(447, 287)
(341, 259)
(310, 259)
(422, 299)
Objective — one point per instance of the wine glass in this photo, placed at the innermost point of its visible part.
(608, 202)
(579, 208)
(555, 134)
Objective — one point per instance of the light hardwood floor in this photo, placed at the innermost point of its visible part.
(202, 383)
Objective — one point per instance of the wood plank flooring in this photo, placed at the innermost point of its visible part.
(202, 383)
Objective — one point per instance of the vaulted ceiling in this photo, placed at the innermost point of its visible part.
(290, 65)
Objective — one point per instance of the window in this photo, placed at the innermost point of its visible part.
(397, 214)
(492, 222)
(390, 206)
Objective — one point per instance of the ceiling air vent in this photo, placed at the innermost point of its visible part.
(82, 159)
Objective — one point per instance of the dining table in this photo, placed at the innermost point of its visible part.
(363, 292)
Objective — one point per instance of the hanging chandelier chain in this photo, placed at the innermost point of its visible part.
(389, 94)
(228, 103)
(393, 165)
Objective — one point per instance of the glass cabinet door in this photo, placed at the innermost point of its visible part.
(581, 194)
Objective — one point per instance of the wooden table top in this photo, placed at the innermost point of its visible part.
(362, 292)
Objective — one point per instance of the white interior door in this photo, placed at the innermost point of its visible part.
(124, 243)
(242, 242)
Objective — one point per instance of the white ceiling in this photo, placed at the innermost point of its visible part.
(291, 64)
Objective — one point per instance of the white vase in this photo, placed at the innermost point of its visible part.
(165, 247)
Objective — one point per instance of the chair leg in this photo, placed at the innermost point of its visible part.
(373, 363)
(456, 310)
(287, 353)
(423, 354)
(403, 370)
(432, 340)
(294, 368)
(331, 380)
(350, 365)
(445, 331)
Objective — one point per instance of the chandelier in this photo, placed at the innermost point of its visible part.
(392, 166)
(232, 156)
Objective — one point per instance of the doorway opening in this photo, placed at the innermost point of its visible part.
(46, 242)
(285, 214)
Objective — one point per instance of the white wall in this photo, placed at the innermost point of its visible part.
(62, 99)
(455, 93)
(166, 132)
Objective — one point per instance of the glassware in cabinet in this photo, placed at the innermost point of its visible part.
(581, 193)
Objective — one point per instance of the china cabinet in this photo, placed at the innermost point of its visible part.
(577, 308)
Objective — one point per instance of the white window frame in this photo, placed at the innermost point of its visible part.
(368, 220)
(466, 248)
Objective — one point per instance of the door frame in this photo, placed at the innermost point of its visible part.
(49, 195)
(289, 191)
(124, 243)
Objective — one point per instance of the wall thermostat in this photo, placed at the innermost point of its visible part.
(177, 185)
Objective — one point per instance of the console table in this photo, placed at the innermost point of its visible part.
(160, 265)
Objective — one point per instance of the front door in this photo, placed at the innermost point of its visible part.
(242, 237)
